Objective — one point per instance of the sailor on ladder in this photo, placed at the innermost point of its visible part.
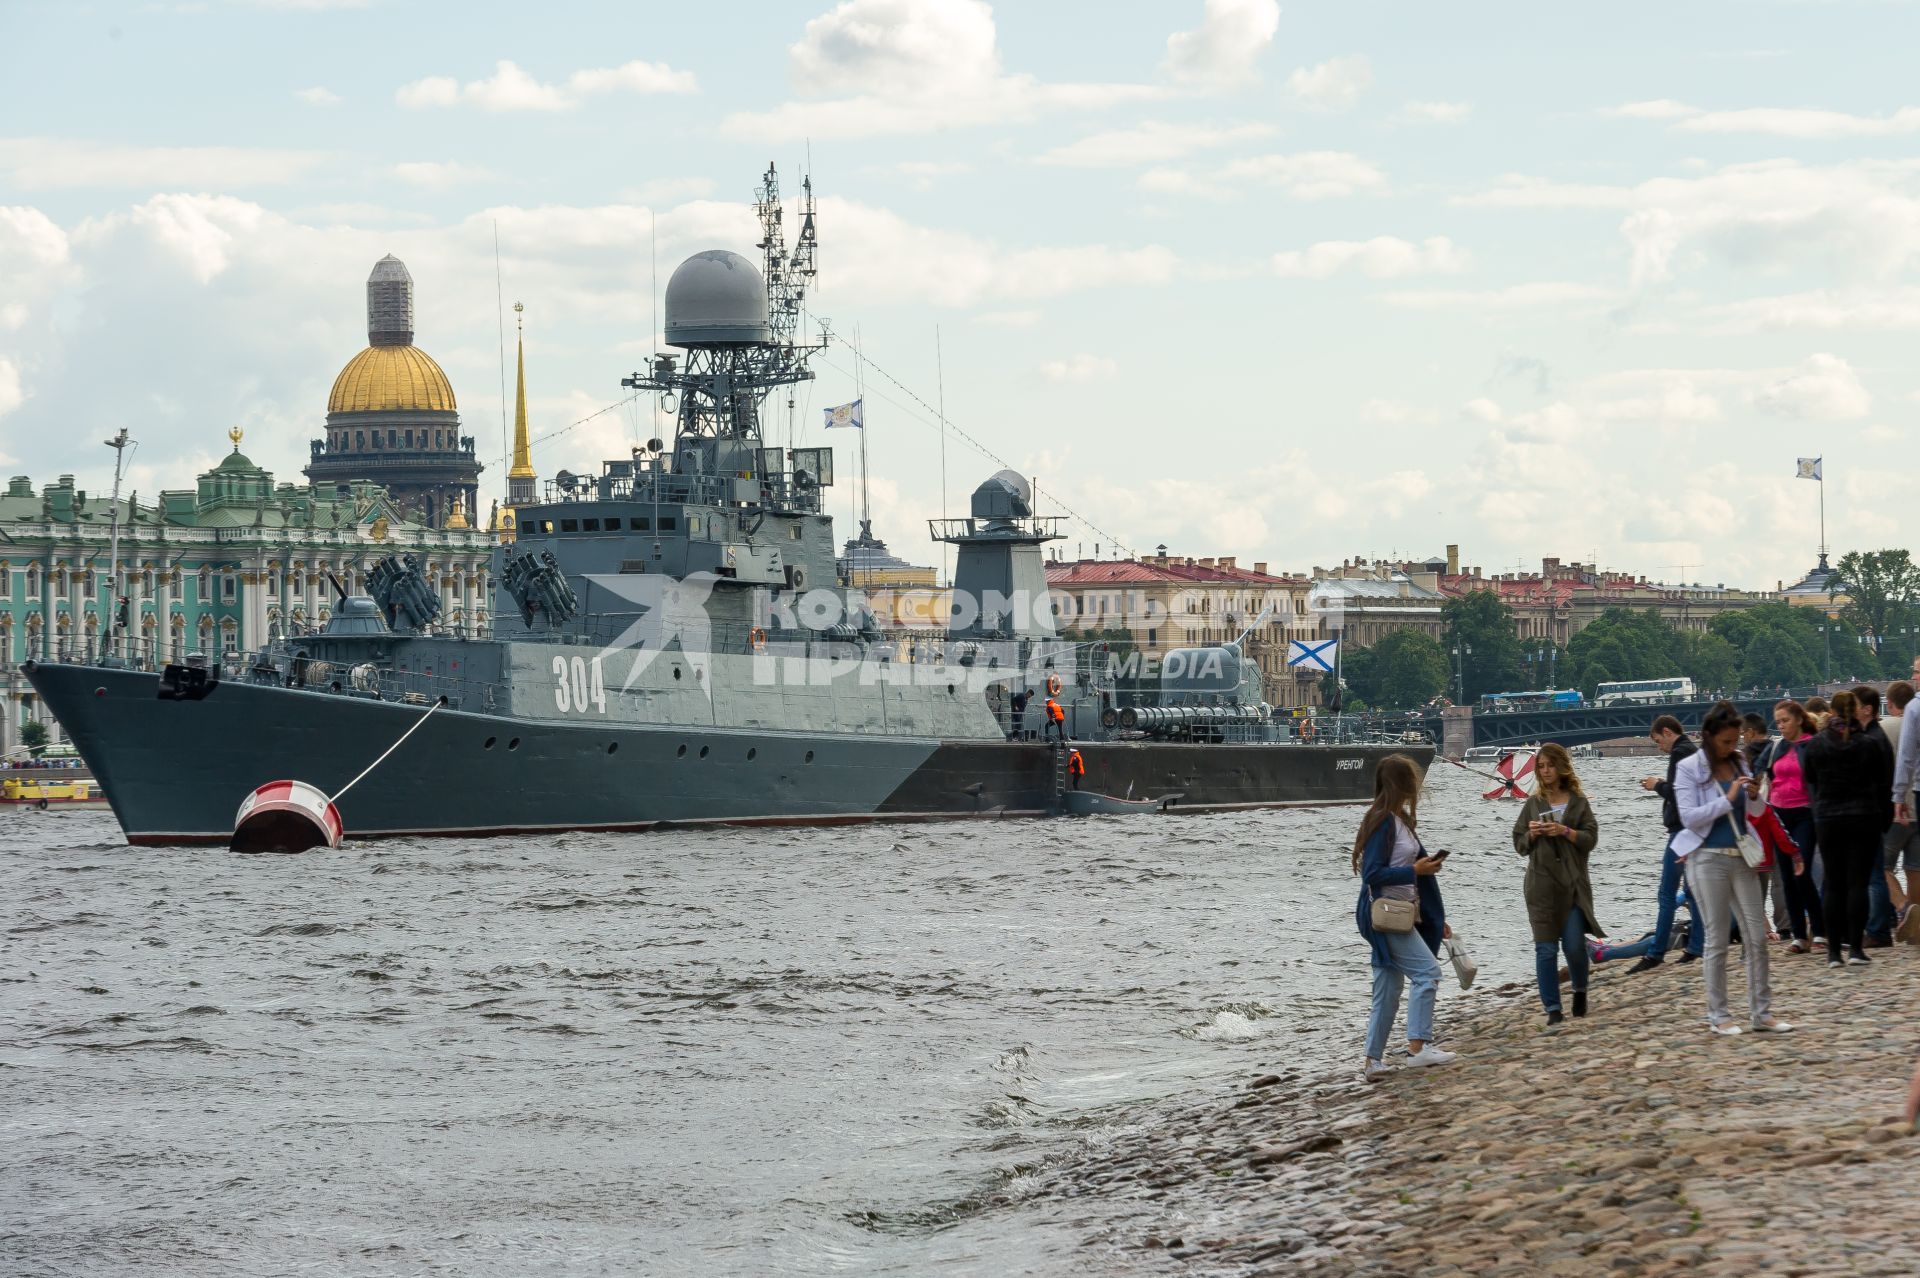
(1076, 767)
(1056, 721)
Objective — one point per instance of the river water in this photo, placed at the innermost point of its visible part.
(702, 1052)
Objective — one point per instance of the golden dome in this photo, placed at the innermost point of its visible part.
(389, 378)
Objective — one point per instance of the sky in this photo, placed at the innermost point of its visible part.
(1295, 282)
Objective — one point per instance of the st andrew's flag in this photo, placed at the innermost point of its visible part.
(1809, 468)
(1315, 654)
(845, 415)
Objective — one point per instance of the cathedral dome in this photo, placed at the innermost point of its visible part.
(389, 379)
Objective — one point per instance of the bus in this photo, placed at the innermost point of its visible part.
(1644, 692)
(1561, 699)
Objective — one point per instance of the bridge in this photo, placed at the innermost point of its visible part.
(1584, 724)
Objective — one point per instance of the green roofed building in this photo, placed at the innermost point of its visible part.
(217, 569)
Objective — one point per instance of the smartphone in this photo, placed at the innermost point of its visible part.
(1441, 855)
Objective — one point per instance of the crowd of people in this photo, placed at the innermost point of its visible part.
(1802, 832)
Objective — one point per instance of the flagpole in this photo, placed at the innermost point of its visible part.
(860, 392)
(1820, 467)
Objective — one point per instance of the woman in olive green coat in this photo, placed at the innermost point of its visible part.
(1556, 832)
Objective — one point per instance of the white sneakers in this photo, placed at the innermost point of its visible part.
(1430, 1055)
(1773, 1025)
(1375, 1072)
(1724, 1027)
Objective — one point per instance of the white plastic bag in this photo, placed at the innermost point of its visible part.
(1463, 965)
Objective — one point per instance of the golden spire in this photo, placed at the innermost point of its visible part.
(236, 435)
(522, 448)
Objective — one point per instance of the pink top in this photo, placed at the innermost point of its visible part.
(1789, 784)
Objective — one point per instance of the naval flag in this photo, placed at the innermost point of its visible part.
(1809, 468)
(845, 415)
(1313, 655)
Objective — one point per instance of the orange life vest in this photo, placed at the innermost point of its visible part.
(1075, 764)
(1054, 712)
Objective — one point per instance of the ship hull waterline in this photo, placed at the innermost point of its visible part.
(176, 772)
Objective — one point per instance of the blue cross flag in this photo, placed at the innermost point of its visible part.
(1313, 656)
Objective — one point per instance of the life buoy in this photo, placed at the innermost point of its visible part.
(1053, 685)
(758, 638)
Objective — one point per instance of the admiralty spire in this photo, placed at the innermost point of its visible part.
(392, 418)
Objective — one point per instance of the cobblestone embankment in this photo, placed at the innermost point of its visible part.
(1631, 1143)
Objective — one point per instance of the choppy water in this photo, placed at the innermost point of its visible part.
(713, 1052)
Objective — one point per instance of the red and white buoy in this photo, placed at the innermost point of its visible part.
(286, 816)
(1514, 769)
(292, 816)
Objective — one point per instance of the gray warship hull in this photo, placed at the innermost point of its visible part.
(176, 771)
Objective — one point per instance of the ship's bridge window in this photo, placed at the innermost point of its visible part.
(793, 532)
(642, 524)
(668, 523)
(569, 525)
(589, 525)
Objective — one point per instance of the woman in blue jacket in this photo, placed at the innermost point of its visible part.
(1388, 857)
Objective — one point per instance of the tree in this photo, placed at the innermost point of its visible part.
(33, 735)
(1407, 668)
(1480, 621)
(1882, 587)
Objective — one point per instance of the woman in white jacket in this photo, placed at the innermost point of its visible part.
(1712, 789)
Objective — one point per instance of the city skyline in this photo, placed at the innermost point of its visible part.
(1572, 292)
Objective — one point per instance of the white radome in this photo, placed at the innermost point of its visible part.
(717, 298)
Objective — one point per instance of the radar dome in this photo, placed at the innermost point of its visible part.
(717, 298)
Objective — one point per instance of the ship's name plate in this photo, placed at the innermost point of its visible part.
(1348, 765)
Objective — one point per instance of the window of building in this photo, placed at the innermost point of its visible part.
(146, 581)
(206, 585)
(376, 439)
(393, 439)
(227, 587)
(33, 583)
(410, 438)
(360, 439)
(273, 585)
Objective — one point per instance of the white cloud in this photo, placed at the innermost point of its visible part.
(318, 96)
(510, 88)
(1679, 400)
(1823, 388)
(1482, 409)
(1436, 112)
(1334, 85)
(1222, 52)
(1858, 218)
(1881, 309)
(1008, 319)
(922, 174)
(1511, 298)
(1079, 368)
(29, 239)
(13, 317)
(11, 396)
(899, 261)
(1881, 433)
(43, 163)
(1153, 142)
(438, 175)
(874, 68)
(1304, 175)
(1801, 123)
(1382, 257)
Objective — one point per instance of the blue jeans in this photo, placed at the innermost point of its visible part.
(1412, 961)
(1670, 867)
(1879, 905)
(1546, 960)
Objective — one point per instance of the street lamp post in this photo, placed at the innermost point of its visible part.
(1459, 671)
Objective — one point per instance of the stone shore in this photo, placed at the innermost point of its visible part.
(1633, 1143)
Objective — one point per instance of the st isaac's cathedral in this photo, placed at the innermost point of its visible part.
(392, 420)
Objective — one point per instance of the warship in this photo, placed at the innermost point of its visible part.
(671, 642)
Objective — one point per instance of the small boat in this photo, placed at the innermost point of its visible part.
(32, 793)
(1090, 803)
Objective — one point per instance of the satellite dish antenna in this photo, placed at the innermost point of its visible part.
(566, 479)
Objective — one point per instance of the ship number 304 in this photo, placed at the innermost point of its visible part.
(578, 684)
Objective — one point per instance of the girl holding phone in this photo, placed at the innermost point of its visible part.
(1556, 832)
